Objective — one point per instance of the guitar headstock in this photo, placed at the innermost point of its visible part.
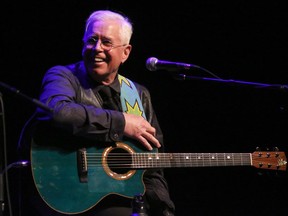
(274, 160)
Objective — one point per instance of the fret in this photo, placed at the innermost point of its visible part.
(213, 159)
(187, 159)
(150, 160)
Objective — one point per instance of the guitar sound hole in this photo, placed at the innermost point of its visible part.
(119, 160)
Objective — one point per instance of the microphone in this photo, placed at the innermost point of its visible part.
(153, 64)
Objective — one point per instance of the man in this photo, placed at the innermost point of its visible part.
(99, 117)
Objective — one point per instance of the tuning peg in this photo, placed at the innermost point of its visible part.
(259, 151)
(276, 149)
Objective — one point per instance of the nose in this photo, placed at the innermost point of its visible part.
(97, 45)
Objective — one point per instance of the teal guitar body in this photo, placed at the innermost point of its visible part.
(73, 182)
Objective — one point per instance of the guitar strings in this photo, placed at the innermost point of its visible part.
(163, 160)
(158, 160)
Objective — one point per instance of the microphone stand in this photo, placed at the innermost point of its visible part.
(3, 152)
(238, 82)
(1, 166)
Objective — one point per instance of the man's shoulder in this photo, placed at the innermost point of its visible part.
(142, 89)
(69, 70)
(73, 67)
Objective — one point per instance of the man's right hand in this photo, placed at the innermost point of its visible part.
(138, 128)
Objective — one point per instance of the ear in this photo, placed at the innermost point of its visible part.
(126, 53)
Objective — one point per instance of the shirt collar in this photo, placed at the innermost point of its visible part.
(115, 85)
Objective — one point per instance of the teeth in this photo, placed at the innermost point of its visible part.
(98, 59)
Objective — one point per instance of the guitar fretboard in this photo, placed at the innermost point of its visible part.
(165, 160)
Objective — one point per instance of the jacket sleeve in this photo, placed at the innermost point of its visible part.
(77, 109)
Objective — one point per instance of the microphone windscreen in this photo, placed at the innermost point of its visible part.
(151, 64)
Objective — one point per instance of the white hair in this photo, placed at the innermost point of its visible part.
(105, 15)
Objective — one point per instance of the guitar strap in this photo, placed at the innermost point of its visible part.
(130, 99)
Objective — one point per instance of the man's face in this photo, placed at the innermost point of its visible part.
(103, 50)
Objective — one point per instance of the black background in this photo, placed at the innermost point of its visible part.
(236, 40)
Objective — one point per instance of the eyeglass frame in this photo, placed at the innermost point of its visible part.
(95, 41)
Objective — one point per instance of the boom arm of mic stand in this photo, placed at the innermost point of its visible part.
(33, 100)
(238, 82)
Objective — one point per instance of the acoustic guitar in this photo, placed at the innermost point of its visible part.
(73, 182)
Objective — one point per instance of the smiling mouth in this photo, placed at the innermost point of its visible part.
(98, 60)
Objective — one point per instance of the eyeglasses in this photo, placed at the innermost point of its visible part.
(106, 45)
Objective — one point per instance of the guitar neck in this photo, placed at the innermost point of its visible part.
(166, 160)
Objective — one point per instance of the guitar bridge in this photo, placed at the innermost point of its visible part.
(82, 165)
